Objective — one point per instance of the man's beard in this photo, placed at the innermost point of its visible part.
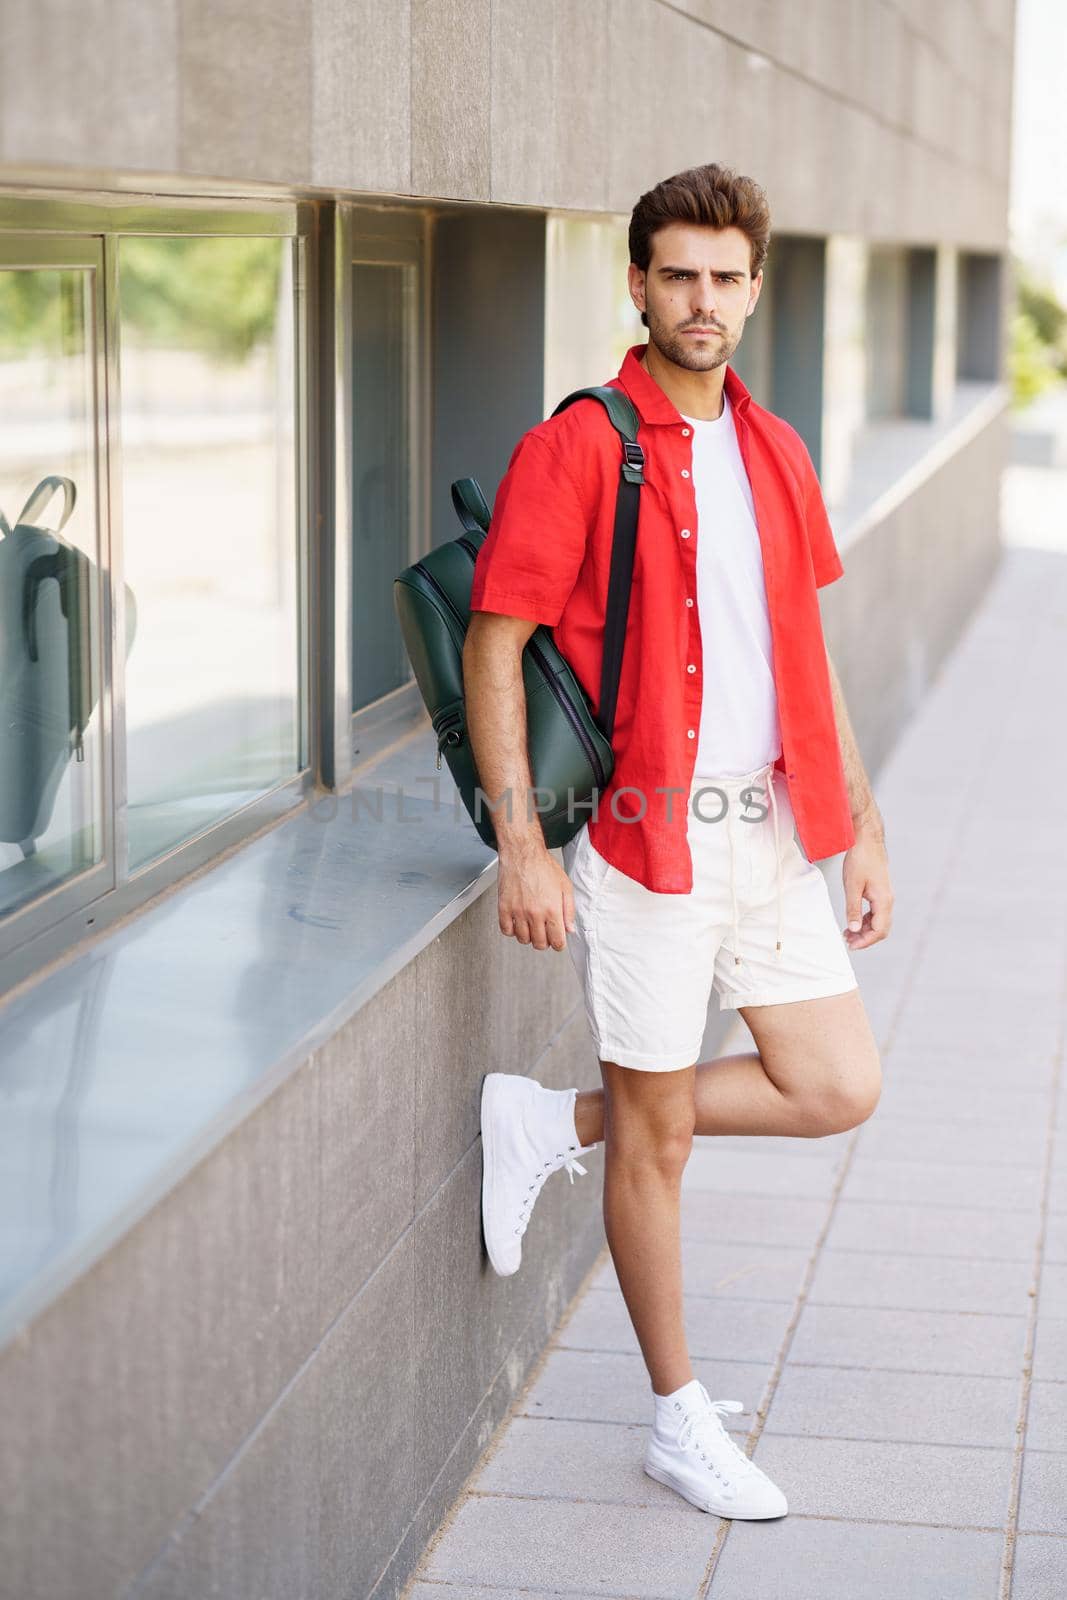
(696, 355)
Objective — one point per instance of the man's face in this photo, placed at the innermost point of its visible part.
(698, 278)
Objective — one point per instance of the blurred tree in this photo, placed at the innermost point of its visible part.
(1037, 353)
(211, 294)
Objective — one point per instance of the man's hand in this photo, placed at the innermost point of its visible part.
(866, 877)
(535, 899)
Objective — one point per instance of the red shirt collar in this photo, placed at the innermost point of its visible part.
(651, 401)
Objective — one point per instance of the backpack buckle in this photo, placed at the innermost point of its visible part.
(633, 462)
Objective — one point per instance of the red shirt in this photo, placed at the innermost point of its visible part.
(547, 557)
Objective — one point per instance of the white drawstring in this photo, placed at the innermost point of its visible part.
(778, 861)
(733, 884)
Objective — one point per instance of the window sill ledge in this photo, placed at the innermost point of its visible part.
(135, 1059)
(893, 458)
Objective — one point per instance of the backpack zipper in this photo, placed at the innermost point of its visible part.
(444, 732)
(550, 678)
(432, 581)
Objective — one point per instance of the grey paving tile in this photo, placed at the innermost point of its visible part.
(1043, 1496)
(909, 1341)
(655, 1551)
(924, 1408)
(1017, 1143)
(1052, 1294)
(752, 1218)
(952, 971)
(731, 1271)
(802, 1558)
(963, 1066)
(775, 1145)
(928, 1483)
(986, 1188)
(959, 1100)
(711, 1171)
(1056, 1238)
(1040, 1571)
(1030, 964)
(920, 1283)
(730, 1330)
(1000, 1030)
(934, 1231)
(569, 1461)
(606, 1386)
(1050, 1347)
(476, 1591)
(1046, 1417)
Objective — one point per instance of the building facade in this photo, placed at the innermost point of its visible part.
(271, 278)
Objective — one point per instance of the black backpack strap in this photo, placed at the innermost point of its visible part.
(474, 514)
(470, 504)
(624, 542)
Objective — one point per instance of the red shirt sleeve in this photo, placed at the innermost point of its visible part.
(824, 554)
(530, 558)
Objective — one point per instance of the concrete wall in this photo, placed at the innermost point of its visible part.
(910, 585)
(885, 120)
(278, 1381)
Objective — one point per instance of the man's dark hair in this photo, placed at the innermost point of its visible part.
(711, 195)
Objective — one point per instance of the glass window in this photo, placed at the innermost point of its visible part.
(51, 746)
(590, 319)
(980, 316)
(209, 530)
(384, 308)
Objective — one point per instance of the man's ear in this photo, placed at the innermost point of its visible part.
(637, 279)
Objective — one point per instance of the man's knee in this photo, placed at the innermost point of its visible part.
(845, 1098)
(648, 1117)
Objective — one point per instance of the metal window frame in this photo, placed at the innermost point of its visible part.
(385, 234)
(57, 924)
(29, 252)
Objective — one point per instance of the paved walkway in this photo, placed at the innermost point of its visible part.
(891, 1303)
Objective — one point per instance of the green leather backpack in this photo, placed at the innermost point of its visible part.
(570, 753)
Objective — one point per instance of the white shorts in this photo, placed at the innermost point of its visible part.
(647, 962)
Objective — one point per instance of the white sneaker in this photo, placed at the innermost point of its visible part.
(692, 1452)
(528, 1131)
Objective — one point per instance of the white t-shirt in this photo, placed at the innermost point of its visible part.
(739, 728)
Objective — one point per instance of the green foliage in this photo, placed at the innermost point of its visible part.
(1031, 368)
(1037, 350)
(215, 295)
(42, 308)
(1048, 315)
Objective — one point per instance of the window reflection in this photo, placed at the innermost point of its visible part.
(209, 520)
(51, 794)
(383, 313)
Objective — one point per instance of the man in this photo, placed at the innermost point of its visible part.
(728, 705)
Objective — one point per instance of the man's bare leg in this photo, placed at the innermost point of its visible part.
(815, 1071)
(648, 1134)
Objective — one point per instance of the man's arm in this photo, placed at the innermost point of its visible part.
(866, 817)
(535, 900)
(865, 873)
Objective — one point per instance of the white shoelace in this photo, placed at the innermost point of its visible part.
(711, 1418)
(569, 1162)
